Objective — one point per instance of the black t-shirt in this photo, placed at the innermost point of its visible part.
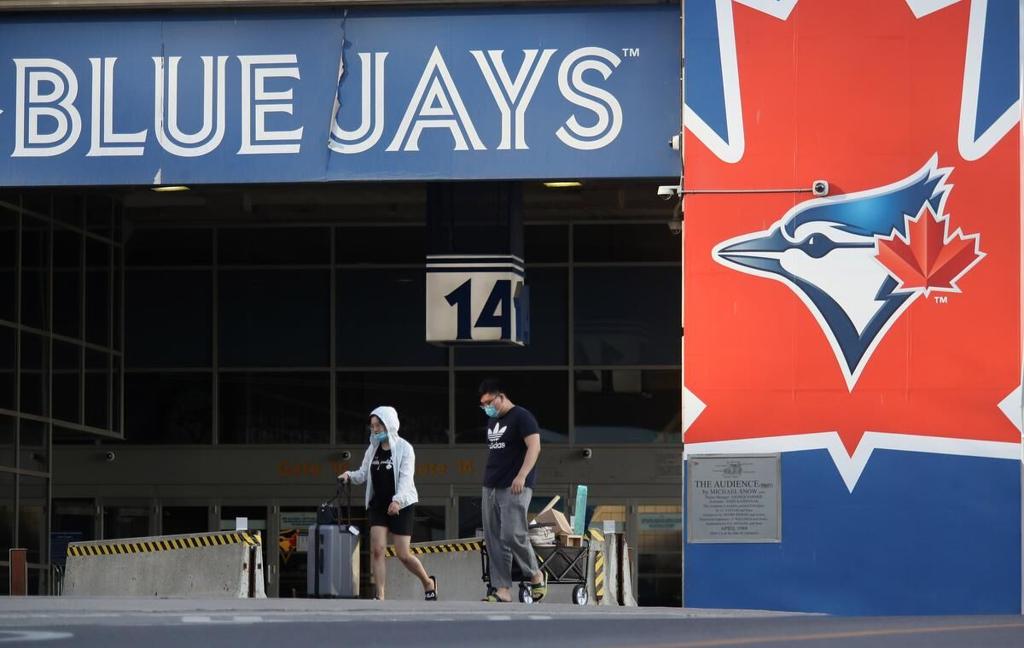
(505, 440)
(382, 472)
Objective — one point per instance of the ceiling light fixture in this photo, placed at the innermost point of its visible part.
(170, 188)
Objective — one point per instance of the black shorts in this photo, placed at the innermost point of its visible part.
(400, 524)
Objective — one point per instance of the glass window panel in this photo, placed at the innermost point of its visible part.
(67, 304)
(97, 292)
(67, 282)
(470, 518)
(549, 306)
(97, 389)
(125, 522)
(380, 319)
(293, 561)
(428, 523)
(544, 393)
(37, 581)
(69, 207)
(275, 407)
(169, 408)
(660, 591)
(256, 516)
(118, 298)
(67, 248)
(185, 519)
(35, 255)
(116, 390)
(37, 201)
(67, 376)
(75, 515)
(99, 213)
(546, 243)
(272, 318)
(8, 342)
(625, 242)
(169, 247)
(7, 449)
(34, 369)
(628, 315)
(389, 244)
(628, 406)
(119, 210)
(8, 264)
(169, 321)
(35, 446)
(274, 246)
(6, 514)
(33, 517)
(421, 399)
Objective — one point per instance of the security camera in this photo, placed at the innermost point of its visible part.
(675, 226)
(587, 453)
(668, 192)
(346, 455)
(109, 456)
(819, 188)
(675, 142)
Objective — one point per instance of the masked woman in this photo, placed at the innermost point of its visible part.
(387, 469)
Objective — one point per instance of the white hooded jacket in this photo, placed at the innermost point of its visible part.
(402, 455)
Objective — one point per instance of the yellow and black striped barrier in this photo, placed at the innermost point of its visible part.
(598, 566)
(140, 545)
(452, 547)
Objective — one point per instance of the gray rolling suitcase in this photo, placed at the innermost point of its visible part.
(332, 568)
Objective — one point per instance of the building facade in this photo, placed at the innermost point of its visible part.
(254, 319)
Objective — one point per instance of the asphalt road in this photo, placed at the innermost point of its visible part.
(113, 623)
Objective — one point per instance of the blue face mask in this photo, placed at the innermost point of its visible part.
(380, 437)
(490, 410)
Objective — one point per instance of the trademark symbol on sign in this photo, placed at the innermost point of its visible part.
(941, 299)
(630, 52)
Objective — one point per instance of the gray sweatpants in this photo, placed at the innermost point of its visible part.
(506, 535)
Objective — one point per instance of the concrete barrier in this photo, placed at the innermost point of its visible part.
(457, 564)
(611, 572)
(626, 569)
(228, 564)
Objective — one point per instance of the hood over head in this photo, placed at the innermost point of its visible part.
(389, 417)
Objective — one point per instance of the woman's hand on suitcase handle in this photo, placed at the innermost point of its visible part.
(343, 478)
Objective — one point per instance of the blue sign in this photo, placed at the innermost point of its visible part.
(59, 541)
(333, 95)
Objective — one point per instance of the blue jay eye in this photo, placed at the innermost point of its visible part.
(817, 245)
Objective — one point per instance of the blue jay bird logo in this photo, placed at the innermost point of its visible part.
(825, 250)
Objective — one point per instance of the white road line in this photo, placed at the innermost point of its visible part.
(7, 636)
(232, 619)
(499, 617)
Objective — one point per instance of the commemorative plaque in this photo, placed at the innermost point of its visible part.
(732, 498)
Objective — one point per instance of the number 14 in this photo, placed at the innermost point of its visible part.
(495, 314)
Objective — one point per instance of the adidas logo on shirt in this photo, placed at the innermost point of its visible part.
(494, 436)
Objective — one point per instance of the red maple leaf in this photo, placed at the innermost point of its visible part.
(928, 257)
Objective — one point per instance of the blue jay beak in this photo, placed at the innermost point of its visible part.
(758, 252)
